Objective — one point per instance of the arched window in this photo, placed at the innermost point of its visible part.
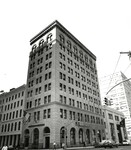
(36, 138)
(62, 39)
(94, 135)
(41, 42)
(34, 48)
(86, 58)
(99, 135)
(88, 136)
(81, 54)
(81, 136)
(72, 136)
(90, 61)
(69, 44)
(49, 37)
(75, 50)
(62, 135)
(46, 130)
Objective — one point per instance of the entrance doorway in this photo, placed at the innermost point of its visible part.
(47, 142)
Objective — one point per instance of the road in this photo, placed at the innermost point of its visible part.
(119, 148)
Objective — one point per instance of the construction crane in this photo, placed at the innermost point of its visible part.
(129, 53)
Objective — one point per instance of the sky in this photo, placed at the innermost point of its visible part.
(103, 26)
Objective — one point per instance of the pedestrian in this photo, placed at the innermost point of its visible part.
(54, 144)
(3, 148)
(6, 148)
(63, 145)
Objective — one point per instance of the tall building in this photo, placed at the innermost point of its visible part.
(62, 94)
(120, 95)
(114, 124)
(11, 112)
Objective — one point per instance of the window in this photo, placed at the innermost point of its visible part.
(49, 38)
(20, 114)
(41, 42)
(38, 91)
(17, 114)
(15, 126)
(62, 99)
(62, 87)
(14, 104)
(37, 116)
(8, 127)
(69, 44)
(62, 66)
(47, 87)
(110, 116)
(62, 38)
(48, 76)
(48, 56)
(116, 118)
(21, 102)
(18, 103)
(44, 114)
(19, 125)
(12, 126)
(48, 65)
(61, 113)
(48, 113)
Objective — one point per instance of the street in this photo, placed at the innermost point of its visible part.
(119, 148)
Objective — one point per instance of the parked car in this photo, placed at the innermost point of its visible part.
(106, 143)
(10, 147)
(125, 142)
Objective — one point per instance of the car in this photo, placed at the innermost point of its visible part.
(125, 142)
(106, 143)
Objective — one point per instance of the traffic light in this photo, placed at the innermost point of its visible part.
(111, 102)
(106, 101)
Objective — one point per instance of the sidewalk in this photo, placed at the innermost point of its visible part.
(68, 148)
(86, 147)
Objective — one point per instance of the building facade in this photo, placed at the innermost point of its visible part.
(120, 96)
(11, 111)
(114, 129)
(62, 94)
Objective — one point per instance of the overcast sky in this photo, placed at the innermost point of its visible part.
(103, 26)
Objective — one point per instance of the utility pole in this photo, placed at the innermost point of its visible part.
(129, 53)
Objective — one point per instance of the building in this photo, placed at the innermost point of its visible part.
(62, 94)
(120, 95)
(11, 120)
(114, 129)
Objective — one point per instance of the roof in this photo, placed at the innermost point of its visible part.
(61, 27)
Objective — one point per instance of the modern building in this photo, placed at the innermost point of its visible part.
(62, 95)
(11, 120)
(114, 129)
(120, 95)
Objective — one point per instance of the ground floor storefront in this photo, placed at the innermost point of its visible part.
(7, 140)
(44, 137)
